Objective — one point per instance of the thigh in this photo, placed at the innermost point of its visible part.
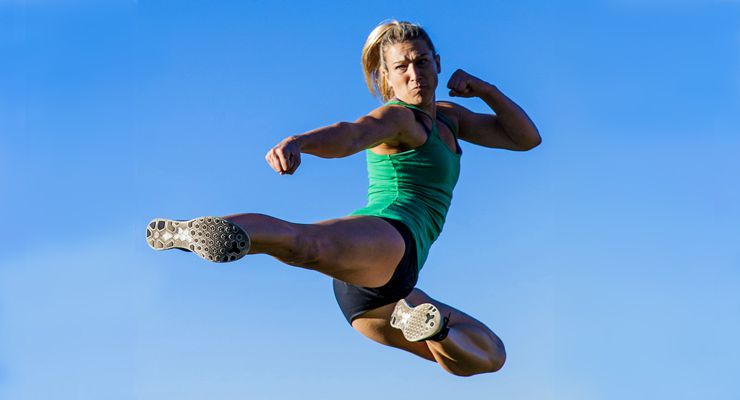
(457, 317)
(361, 250)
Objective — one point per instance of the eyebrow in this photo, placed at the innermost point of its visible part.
(406, 59)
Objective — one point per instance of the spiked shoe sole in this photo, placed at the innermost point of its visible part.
(212, 238)
(417, 323)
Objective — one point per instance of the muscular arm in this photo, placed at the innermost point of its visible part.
(382, 125)
(346, 138)
(509, 128)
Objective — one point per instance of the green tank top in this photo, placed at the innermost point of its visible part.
(415, 186)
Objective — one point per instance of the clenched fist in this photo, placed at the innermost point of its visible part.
(462, 84)
(285, 157)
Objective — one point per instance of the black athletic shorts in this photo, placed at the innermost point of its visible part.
(356, 300)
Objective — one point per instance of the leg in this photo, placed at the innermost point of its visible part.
(359, 250)
(470, 347)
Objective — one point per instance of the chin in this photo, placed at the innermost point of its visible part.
(417, 100)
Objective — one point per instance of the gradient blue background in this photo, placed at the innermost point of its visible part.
(608, 259)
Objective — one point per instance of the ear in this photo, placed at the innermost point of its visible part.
(439, 65)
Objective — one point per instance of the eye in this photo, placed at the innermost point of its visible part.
(400, 67)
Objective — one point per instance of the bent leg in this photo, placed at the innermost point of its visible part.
(360, 250)
(470, 347)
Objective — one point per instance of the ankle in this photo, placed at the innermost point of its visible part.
(442, 334)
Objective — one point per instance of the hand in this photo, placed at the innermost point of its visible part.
(462, 84)
(285, 157)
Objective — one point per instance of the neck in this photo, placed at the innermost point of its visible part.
(430, 108)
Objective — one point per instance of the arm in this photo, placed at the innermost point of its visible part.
(510, 128)
(382, 125)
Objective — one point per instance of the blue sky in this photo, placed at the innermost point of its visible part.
(607, 259)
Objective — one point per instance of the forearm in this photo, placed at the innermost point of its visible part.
(331, 141)
(512, 118)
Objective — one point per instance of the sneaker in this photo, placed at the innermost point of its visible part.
(418, 323)
(212, 238)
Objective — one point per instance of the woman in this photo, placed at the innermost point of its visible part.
(375, 253)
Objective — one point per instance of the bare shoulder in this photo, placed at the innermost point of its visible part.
(392, 117)
(448, 105)
(394, 113)
(451, 110)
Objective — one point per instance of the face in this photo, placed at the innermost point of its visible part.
(411, 70)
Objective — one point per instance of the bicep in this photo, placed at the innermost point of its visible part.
(483, 129)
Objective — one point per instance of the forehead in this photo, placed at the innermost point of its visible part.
(407, 50)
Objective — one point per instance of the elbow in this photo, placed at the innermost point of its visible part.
(533, 140)
(534, 143)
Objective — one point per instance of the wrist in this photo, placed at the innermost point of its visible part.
(298, 140)
(489, 90)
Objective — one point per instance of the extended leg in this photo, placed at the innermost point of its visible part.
(470, 347)
(361, 250)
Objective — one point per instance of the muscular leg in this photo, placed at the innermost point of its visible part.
(359, 250)
(470, 347)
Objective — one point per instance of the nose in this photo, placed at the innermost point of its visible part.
(413, 73)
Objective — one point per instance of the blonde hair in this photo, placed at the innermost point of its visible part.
(384, 35)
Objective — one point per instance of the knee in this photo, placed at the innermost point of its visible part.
(497, 360)
(492, 363)
(470, 370)
(497, 357)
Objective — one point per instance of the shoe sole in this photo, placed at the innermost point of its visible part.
(422, 322)
(212, 238)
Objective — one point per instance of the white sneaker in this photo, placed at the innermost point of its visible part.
(212, 238)
(418, 323)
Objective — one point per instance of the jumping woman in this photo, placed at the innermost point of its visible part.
(375, 253)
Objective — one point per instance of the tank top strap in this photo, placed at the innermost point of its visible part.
(400, 103)
(447, 121)
(416, 114)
